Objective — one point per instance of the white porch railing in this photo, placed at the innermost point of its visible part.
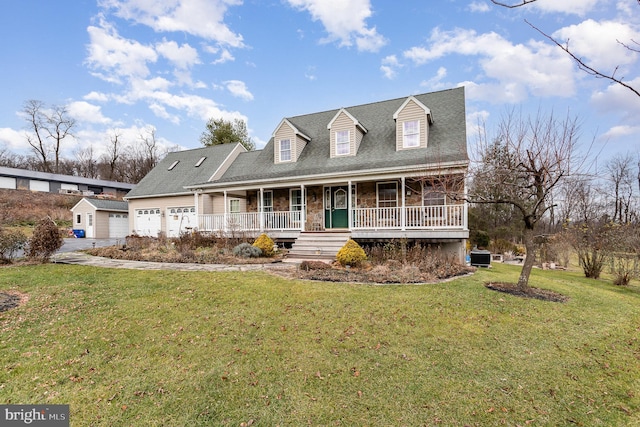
(250, 221)
(410, 218)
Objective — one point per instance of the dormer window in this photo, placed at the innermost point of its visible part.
(413, 120)
(285, 150)
(411, 133)
(288, 142)
(343, 143)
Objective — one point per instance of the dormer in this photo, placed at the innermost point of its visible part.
(346, 134)
(288, 142)
(413, 119)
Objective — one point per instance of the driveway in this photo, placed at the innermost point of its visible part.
(73, 244)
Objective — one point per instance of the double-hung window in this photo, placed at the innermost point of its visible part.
(234, 206)
(411, 133)
(343, 145)
(285, 150)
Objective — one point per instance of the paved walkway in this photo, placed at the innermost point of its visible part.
(81, 258)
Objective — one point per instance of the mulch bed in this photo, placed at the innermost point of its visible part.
(9, 301)
(536, 293)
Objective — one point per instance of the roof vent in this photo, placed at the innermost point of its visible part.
(202, 159)
(173, 165)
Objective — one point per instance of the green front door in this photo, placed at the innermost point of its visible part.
(336, 207)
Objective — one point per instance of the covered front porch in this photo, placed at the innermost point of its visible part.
(360, 207)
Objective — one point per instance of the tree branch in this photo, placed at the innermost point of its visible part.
(513, 6)
(581, 64)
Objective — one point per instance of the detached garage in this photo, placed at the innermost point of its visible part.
(101, 218)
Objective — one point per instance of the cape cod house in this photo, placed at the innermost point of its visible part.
(370, 172)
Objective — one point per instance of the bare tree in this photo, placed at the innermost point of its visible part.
(521, 168)
(86, 165)
(620, 177)
(588, 230)
(141, 157)
(635, 47)
(48, 129)
(113, 156)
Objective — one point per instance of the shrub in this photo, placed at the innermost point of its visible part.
(246, 250)
(265, 244)
(314, 265)
(10, 243)
(351, 254)
(45, 241)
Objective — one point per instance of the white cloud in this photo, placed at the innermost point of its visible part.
(310, 74)
(479, 6)
(14, 140)
(345, 21)
(85, 112)
(96, 96)
(239, 89)
(514, 70)
(616, 97)
(597, 43)
(115, 57)
(621, 131)
(225, 56)
(390, 66)
(435, 82)
(202, 18)
(182, 57)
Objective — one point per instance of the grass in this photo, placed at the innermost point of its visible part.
(191, 348)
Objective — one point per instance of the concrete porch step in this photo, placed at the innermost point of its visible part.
(317, 246)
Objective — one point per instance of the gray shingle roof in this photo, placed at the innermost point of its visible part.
(161, 181)
(109, 205)
(447, 142)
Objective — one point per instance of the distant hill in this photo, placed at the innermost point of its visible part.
(24, 207)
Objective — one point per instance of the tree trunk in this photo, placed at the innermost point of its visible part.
(529, 260)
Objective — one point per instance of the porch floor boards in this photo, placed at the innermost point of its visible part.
(317, 245)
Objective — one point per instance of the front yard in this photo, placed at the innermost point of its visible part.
(189, 348)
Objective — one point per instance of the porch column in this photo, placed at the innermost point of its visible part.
(403, 212)
(350, 205)
(261, 208)
(226, 207)
(196, 205)
(303, 212)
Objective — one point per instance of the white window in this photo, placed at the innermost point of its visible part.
(234, 205)
(267, 201)
(342, 142)
(433, 195)
(285, 150)
(296, 200)
(387, 194)
(411, 134)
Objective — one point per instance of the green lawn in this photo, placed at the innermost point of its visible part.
(188, 348)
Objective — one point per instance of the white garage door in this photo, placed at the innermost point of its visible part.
(181, 220)
(35, 185)
(118, 225)
(7, 182)
(148, 222)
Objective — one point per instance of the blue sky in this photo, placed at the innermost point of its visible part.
(127, 66)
